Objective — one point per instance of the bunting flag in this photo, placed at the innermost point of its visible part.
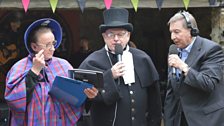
(82, 4)
(135, 4)
(108, 3)
(53, 4)
(186, 3)
(212, 2)
(159, 3)
(25, 4)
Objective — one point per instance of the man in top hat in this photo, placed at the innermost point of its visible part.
(30, 79)
(131, 95)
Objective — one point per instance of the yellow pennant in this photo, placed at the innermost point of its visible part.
(186, 3)
(53, 4)
(135, 4)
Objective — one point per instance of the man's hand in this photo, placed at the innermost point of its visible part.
(175, 61)
(38, 62)
(118, 70)
(91, 92)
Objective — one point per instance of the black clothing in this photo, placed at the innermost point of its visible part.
(137, 104)
(79, 56)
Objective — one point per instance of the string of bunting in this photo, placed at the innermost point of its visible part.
(108, 4)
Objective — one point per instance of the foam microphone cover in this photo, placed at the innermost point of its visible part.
(119, 51)
(173, 49)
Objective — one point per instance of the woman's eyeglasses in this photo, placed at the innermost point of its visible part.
(49, 45)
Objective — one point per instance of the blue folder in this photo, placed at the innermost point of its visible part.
(69, 90)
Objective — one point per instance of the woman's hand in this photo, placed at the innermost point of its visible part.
(38, 62)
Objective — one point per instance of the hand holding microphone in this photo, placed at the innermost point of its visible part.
(119, 68)
(174, 60)
(171, 58)
(38, 62)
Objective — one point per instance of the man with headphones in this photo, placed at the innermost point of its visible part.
(195, 76)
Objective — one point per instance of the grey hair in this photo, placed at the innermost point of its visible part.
(179, 16)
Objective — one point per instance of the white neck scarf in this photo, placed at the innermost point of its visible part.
(127, 59)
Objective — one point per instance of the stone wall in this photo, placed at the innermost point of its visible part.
(217, 24)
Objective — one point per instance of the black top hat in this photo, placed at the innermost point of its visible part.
(115, 18)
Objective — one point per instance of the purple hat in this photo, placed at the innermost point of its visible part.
(51, 23)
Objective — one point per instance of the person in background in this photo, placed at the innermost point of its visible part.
(131, 95)
(11, 27)
(132, 44)
(82, 53)
(195, 80)
(84, 45)
(10, 39)
(30, 79)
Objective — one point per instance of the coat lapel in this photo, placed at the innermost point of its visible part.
(195, 51)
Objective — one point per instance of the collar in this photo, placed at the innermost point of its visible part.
(108, 50)
(188, 48)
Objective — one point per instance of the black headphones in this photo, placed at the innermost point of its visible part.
(194, 31)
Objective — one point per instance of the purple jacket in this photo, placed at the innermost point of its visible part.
(42, 110)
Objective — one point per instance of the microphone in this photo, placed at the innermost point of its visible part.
(119, 51)
(173, 50)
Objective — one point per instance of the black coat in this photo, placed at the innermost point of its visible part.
(138, 104)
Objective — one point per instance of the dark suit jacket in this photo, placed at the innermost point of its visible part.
(200, 95)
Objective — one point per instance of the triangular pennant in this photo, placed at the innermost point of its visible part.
(135, 4)
(212, 2)
(159, 3)
(53, 4)
(108, 3)
(186, 3)
(25, 4)
(82, 4)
